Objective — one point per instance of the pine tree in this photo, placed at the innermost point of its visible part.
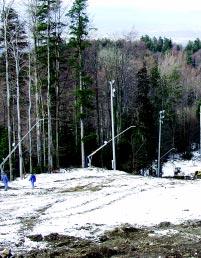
(47, 38)
(78, 42)
(145, 128)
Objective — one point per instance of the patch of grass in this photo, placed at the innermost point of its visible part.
(79, 188)
(82, 188)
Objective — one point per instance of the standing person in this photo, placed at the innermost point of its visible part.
(32, 179)
(4, 179)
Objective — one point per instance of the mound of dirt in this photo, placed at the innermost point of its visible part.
(165, 241)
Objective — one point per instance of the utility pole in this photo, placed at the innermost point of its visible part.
(161, 116)
(112, 90)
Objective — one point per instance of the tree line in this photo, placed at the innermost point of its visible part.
(55, 91)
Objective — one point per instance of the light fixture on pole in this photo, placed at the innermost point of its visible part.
(89, 157)
(161, 116)
(112, 91)
(15, 146)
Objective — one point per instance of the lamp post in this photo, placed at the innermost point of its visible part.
(89, 157)
(16, 146)
(112, 91)
(161, 116)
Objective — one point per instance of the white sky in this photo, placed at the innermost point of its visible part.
(178, 19)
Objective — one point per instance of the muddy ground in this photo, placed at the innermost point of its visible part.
(165, 241)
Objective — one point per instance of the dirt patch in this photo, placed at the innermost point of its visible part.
(81, 188)
(165, 241)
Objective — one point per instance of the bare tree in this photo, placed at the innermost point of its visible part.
(50, 145)
(17, 70)
(5, 12)
(57, 33)
(29, 114)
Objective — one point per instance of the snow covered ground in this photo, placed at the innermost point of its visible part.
(187, 167)
(86, 202)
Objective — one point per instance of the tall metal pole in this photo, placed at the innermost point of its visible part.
(112, 90)
(159, 148)
(161, 116)
(16, 146)
(89, 157)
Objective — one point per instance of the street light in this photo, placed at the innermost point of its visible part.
(161, 116)
(112, 91)
(15, 146)
(89, 157)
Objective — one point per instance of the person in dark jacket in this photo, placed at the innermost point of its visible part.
(33, 180)
(5, 180)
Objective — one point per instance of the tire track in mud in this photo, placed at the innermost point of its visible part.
(111, 191)
(21, 224)
(109, 197)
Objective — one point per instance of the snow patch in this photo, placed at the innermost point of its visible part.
(86, 202)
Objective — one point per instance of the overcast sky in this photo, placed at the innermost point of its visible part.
(178, 19)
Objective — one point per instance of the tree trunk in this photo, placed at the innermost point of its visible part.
(81, 113)
(29, 114)
(50, 159)
(43, 131)
(8, 93)
(57, 21)
(17, 69)
(57, 125)
(38, 127)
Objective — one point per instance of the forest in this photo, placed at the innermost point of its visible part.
(55, 98)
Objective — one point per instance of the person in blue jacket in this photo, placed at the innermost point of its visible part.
(32, 179)
(5, 180)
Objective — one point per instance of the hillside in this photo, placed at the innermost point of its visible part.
(85, 203)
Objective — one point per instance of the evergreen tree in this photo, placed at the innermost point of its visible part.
(191, 48)
(78, 42)
(171, 95)
(145, 121)
(148, 41)
(157, 45)
(160, 44)
(167, 45)
(47, 29)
